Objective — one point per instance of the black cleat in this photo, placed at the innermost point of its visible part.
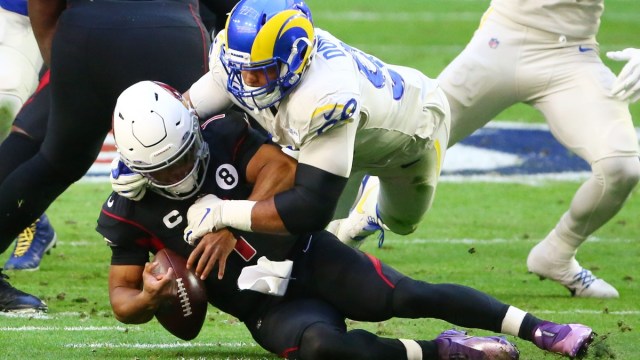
(16, 301)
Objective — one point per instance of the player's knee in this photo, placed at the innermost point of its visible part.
(321, 341)
(399, 226)
(410, 297)
(17, 79)
(620, 174)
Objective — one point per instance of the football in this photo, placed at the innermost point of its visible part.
(184, 316)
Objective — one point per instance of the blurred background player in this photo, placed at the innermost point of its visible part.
(101, 47)
(20, 63)
(22, 143)
(303, 317)
(214, 14)
(544, 53)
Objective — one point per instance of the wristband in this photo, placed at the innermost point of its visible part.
(237, 214)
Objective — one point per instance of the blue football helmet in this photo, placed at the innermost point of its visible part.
(275, 37)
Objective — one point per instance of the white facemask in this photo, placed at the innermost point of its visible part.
(185, 186)
(262, 100)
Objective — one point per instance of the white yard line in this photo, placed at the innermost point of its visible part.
(430, 16)
(69, 328)
(408, 241)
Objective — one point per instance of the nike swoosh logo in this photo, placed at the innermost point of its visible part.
(330, 114)
(584, 49)
(205, 215)
(110, 202)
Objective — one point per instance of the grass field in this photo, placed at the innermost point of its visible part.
(477, 234)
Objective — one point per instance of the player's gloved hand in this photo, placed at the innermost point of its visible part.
(126, 182)
(203, 217)
(627, 85)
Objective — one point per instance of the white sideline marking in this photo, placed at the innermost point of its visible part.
(49, 316)
(406, 241)
(592, 312)
(430, 16)
(69, 328)
(159, 346)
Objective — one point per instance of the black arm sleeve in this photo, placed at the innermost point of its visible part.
(310, 204)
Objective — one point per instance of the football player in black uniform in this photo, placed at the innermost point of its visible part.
(157, 136)
(101, 47)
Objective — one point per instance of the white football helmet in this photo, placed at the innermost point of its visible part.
(157, 135)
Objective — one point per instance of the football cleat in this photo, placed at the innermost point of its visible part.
(457, 345)
(580, 281)
(31, 245)
(363, 219)
(572, 340)
(16, 301)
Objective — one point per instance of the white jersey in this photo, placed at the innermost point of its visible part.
(20, 59)
(580, 19)
(349, 109)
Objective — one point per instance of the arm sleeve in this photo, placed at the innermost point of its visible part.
(331, 150)
(310, 204)
(208, 96)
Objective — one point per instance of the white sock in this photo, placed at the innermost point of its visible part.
(512, 321)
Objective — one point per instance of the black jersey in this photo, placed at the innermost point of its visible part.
(329, 280)
(134, 229)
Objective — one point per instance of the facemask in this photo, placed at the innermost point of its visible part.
(185, 186)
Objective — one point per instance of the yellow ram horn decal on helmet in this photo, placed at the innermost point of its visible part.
(265, 45)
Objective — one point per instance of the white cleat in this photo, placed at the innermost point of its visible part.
(363, 218)
(580, 281)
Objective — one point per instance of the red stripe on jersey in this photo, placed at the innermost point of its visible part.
(286, 352)
(378, 266)
(238, 144)
(244, 249)
(44, 81)
(195, 13)
(213, 118)
(153, 241)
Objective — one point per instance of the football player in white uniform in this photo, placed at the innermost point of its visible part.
(544, 53)
(345, 113)
(20, 61)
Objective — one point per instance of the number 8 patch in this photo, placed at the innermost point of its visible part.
(226, 177)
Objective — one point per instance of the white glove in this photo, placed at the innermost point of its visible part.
(204, 216)
(126, 182)
(627, 85)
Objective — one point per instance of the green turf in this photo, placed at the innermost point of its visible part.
(477, 234)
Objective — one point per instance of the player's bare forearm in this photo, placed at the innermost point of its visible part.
(272, 172)
(44, 16)
(135, 293)
(265, 218)
(130, 306)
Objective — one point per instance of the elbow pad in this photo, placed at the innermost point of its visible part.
(309, 206)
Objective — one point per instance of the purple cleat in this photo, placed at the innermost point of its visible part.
(457, 345)
(571, 340)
